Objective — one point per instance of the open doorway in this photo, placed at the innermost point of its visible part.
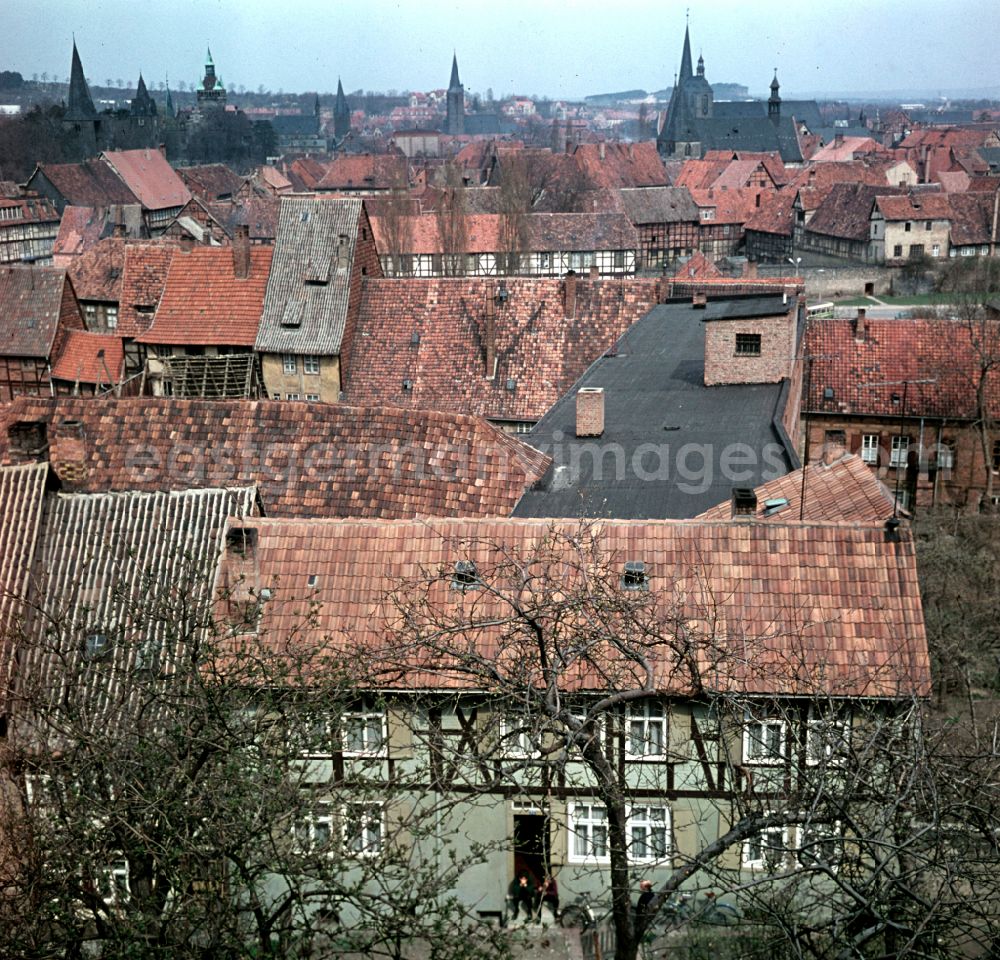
(531, 846)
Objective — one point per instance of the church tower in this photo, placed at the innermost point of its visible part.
(691, 101)
(81, 117)
(211, 93)
(341, 114)
(774, 101)
(455, 122)
(143, 105)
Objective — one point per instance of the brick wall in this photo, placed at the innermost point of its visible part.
(777, 349)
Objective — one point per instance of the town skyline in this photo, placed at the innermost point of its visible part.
(827, 52)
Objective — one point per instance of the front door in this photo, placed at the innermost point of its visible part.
(531, 846)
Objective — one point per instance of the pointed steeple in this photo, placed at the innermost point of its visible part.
(686, 70)
(341, 114)
(143, 105)
(170, 100)
(774, 102)
(455, 83)
(701, 65)
(208, 57)
(80, 106)
(141, 93)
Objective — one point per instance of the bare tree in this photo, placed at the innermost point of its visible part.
(452, 223)
(396, 223)
(564, 669)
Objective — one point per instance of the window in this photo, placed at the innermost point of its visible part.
(819, 843)
(310, 365)
(589, 825)
(748, 344)
(900, 446)
(363, 829)
(649, 833)
(936, 250)
(292, 396)
(111, 316)
(634, 576)
(916, 251)
(466, 576)
(523, 426)
(766, 850)
(946, 454)
(897, 250)
(828, 739)
(313, 830)
(908, 226)
(96, 646)
(516, 739)
(90, 315)
(113, 882)
(289, 364)
(763, 739)
(311, 735)
(364, 730)
(835, 438)
(928, 224)
(869, 448)
(618, 259)
(312, 397)
(647, 730)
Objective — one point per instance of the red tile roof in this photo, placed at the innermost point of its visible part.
(893, 351)
(80, 228)
(31, 301)
(540, 352)
(149, 177)
(731, 206)
(773, 608)
(775, 214)
(91, 358)
(846, 148)
(915, 206)
(971, 218)
(308, 460)
(89, 184)
(844, 490)
(97, 272)
(364, 172)
(204, 303)
(145, 273)
(622, 164)
(210, 181)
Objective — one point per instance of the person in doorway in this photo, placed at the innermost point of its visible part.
(645, 907)
(548, 892)
(521, 894)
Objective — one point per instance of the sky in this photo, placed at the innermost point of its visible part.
(565, 49)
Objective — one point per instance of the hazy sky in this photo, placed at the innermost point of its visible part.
(565, 49)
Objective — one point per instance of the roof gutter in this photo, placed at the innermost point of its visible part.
(779, 427)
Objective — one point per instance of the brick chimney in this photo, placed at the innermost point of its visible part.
(590, 411)
(699, 300)
(595, 272)
(241, 252)
(744, 502)
(860, 325)
(569, 295)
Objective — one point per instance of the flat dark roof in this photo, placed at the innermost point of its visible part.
(671, 446)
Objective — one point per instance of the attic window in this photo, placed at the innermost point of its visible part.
(634, 576)
(28, 438)
(241, 541)
(313, 580)
(415, 338)
(511, 385)
(774, 505)
(407, 384)
(465, 577)
(292, 314)
(305, 216)
(96, 646)
(828, 393)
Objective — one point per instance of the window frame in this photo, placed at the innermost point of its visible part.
(765, 721)
(371, 843)
(870, 451)
(310, 365)
(763, 862)
(836, 751)
(898, 452)
(367, 710)
(577, 839)
(643, 713)
(289, 364)
(747, 345)
(321, 813)
(645, 821)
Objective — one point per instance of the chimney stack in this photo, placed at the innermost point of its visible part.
(595, 271)
(860, 325)
(590, 411)
(699, 300)
(569, 295)
(241, 252)
(744, 502)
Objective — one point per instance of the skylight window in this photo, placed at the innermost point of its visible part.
(634, 576)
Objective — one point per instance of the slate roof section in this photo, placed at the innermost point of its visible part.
(667, 437)
(659, 205)
(97, 272)
(210, 181)
(148, 175)
(204, 303)
(305, 308)
(539, 351)
(90, 358)
(105, 562)
(903, 349)
(846, 211)
(22, 494)
(844, 491)
(307, 460)
(30, 304)
(91, 183)
(794, 609)
(143, 280)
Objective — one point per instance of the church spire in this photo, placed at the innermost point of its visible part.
(170, 100)
(81, 106)
(454, 84)
(341, 114)
(686, 69)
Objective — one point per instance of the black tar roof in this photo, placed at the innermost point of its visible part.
(671, 446)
